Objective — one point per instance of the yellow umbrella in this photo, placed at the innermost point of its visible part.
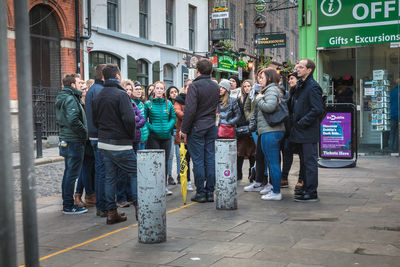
(183, 171)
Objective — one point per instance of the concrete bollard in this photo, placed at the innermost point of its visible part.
(151, 196)
(226, 174)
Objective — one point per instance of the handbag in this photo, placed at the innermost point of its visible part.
(280, 114)
(242, 131)
(226, 131)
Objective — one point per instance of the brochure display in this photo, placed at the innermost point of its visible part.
(338, 137)
(378, 102)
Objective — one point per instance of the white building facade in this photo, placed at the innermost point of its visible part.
(150, 40)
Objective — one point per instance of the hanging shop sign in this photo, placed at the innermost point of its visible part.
(270, 40)
(260, 5)
(260, 22)
(227, 62)
(220, 34)
(220, 12)
(357, 23)
(214, 61)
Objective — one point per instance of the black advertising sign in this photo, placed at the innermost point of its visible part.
(271, 40)
(220, 34)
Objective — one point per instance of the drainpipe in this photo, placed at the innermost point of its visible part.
(89, 20)
(77, 38)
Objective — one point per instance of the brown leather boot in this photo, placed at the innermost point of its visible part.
(78, 200)
(114, 217)
(90, 200)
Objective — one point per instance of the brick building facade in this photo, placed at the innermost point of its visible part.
(63, 37)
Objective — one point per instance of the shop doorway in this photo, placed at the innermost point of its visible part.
(365, 76)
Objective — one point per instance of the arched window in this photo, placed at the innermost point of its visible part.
(143, 72)
(156, 71)
(97, 57)
(168, 75)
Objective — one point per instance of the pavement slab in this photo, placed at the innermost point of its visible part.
(356, 222)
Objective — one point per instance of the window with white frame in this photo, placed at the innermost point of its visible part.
(192, 27)
(170, 21)
(112, 15)
(143, 18)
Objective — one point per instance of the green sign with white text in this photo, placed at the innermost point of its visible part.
(357, 22)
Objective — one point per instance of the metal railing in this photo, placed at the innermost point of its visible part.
(44, 110)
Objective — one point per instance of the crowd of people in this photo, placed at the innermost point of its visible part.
(104, 122)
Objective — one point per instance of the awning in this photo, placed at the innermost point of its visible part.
(226, 70)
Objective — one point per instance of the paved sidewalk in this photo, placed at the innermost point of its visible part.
(50, 155)
(356, 223)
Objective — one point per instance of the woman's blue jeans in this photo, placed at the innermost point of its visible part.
(270, 145)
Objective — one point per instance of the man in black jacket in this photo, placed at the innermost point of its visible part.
(114, 117)
(198, 126)
(307, 110)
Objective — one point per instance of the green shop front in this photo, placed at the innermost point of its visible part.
(357, 48)
(225, 65)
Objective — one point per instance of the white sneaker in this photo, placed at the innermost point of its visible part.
(272, 196)
(189, 186)
(253, 187)
(267, 188)
(168, 192)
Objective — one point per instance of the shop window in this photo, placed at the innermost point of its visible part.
(192, 25)
(170, 21)
(143, 72)
(168, 72)
(143, 18)
(96, 58)
(156, 71)
(112, 15)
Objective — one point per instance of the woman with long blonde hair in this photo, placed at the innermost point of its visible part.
(228, 109)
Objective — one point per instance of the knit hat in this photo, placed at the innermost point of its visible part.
(236, 78)
(136, 83)
(294, 74)
(226, 84)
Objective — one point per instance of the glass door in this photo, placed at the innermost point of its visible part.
(368, 77)
(377, 74)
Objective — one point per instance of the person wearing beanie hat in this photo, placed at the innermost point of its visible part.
(235, 86)
(228, 108)
(226, 84)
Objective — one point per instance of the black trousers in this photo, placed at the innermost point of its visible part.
(309, 166)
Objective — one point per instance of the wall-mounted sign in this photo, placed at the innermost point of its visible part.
(220, 34)
(357, 23)
(270, 40)
(227, 62)
(260, 5)
(220, 15)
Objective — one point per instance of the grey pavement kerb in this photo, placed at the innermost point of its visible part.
(50, 155)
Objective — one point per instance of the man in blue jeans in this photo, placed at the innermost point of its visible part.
(71, 118)
(114, 117)
(99, 172)
(199, 130)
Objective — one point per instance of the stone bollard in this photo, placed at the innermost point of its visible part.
(226, 174)
(151, 196)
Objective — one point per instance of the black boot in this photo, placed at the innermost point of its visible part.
(239, 167)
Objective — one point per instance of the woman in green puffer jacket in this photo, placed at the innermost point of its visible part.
(137, 94)
(160, 115)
